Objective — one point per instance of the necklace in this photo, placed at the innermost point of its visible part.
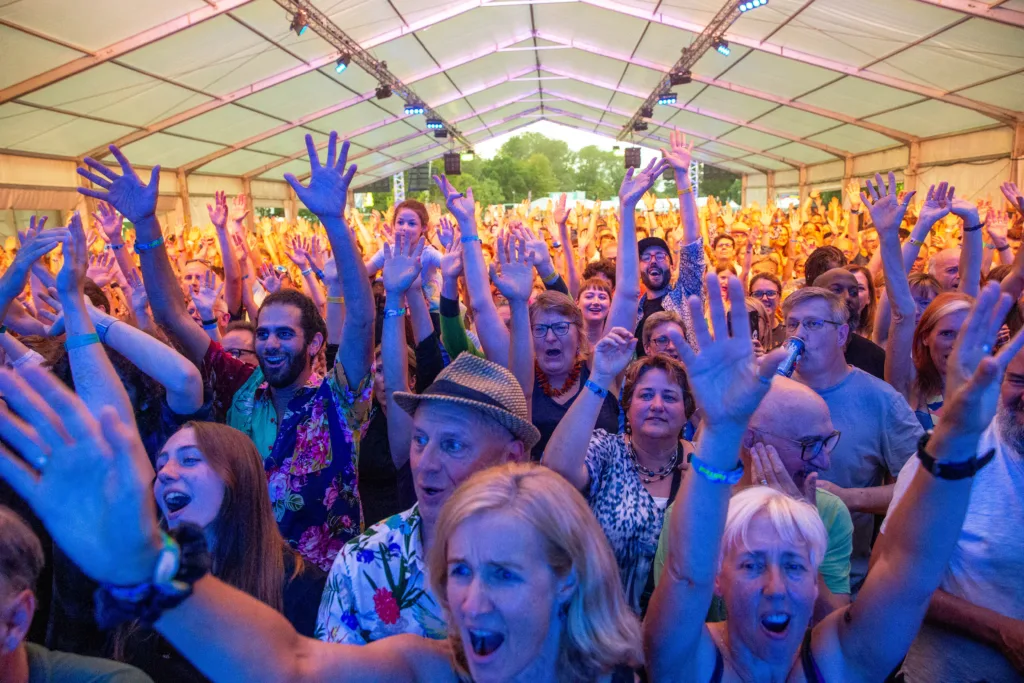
(550, 391)
(649, 476)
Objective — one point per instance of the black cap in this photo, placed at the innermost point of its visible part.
(648, 242)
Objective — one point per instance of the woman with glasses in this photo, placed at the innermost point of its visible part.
(767, 289)
(629, 479)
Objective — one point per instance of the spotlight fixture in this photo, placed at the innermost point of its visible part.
(342, 62)
(640, 126)
(747, 5)
(722, 46)
(300, 22)
(383, 91)
(680, 77)
(667, 97)
(443, 133)
(435, 124)
(647, 111)
(412, 108)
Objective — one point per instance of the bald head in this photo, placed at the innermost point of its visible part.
(789, 409)
(945, 267)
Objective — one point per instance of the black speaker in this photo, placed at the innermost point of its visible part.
(418, 179)
(453, 163)
(669, 174)
(632, 157)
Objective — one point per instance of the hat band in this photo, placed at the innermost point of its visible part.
(446, 387)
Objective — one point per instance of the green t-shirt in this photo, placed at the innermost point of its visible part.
(835, 566)
(46, 666)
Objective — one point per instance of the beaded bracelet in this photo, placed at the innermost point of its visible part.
(146, 246)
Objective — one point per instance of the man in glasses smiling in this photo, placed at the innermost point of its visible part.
(767, 289)
(880, 432)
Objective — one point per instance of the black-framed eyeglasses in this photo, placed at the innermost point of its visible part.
(560, 330)
(810, 324)
(238, 353)
(661, 343)
(811, 447)
(657, 257)
(764, 294)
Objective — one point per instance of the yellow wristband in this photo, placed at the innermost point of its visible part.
(685, 189)
(551, 279)
(335, 299)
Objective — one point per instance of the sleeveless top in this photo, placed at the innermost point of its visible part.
(547, 412)
(811, 671)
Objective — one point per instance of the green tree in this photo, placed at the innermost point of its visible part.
(598, 172)
(721, 184)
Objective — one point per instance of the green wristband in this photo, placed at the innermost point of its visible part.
(79, 340)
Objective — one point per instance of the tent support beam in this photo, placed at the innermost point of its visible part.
(804, 190)
(186, 210)
(981, 9)
(770, 186)
(913, 166)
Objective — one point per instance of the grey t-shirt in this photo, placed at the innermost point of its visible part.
(879, 433)
(986, 569)
(47, 666)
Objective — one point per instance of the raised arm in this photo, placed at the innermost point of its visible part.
(689, 279)
(561, 218)
(325, 196)
(205, 301)
(232, 273)
(514, 279)
(728, 384)
(936, 207)
(972, 250)
(137, 202)
(923, 530)
(566, 452)
(35, 242)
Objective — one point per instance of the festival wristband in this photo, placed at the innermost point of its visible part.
(319, 274)
(916, 243)
(556, 245)
(79, 340)
(208, 324)
(975, 228)
(307, 271)
(685, 189)
(115, 247)
(1003, 248)
(394, 313)
(335, 299)
(146, 246)
(715, 475)
(590, 384)
(988, 246)
(466, 239)
(551, 279)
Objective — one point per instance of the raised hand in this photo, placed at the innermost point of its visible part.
(206, 298)
(966, 211)
(111, 223)
(560, 213)
(140, 300)
(296, 252)
(71, 278)
(401, 263)
(537, 252)
(514, 275)
(239, 211)
(679, 155)
(125, 192)
(853, 192)
(613, 353)
(886, 210)
(634, 186)
(36, 243)
(88, 481)
(328, 185)
(219, 211)
(1013, 196)
(461, 205)
(269, 278)
(451, 259)
(101, 268)
(727, 380)
(937, 204)
(997, 226)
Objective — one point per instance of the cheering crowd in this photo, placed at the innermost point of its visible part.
(469, 443)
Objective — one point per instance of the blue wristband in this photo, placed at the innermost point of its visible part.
(115, 247)
(715, 475)
(79, 340)
(394, 313)
(590, 384)
(146, 246)
(319, 274)
(466, 239)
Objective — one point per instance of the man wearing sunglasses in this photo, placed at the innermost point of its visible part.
(880, 432)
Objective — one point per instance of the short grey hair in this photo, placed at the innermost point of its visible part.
(839, 312)
(21, 553)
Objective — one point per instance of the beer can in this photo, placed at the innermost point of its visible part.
(794, 349)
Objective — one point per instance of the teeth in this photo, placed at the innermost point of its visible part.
(485, 642)
(175, 500)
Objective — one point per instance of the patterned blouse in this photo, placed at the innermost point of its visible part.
(310, 459)
(378, 587)
(625, 510)
(689, 282)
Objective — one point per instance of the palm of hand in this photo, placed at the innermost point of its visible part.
(451, 264)
(962, 208)
(724, 380)
(933, 210)
(219, 215)
(633, 189)
(133, 199)
(400, 271)
(887, 213)
(610, 359)
(515, 281)
(679, 158)
(462, 208)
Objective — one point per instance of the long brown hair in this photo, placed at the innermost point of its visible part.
(866, 324)
(929, 381)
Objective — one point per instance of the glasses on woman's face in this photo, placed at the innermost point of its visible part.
(769, 294)
(657, 257)
(810, 447)
(810, 324)
(560, 330)
(239, 353)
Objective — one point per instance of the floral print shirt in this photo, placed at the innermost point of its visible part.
(689, 282)
(310, 458)
(378, 587)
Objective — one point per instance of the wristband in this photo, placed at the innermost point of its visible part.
(855, 212)
(319, 274)
(685, 189)
(466, 239)
(988, 246)
(103, 326)
(79, 340)
(246, 276)
(307, 271)
(916, 243)
(335, 299)
(590, 384)
(715, 475)
(1004, 247)
(146, 246)
(551, 279)
(207, 324)
(394, 313)
(974, 228)
(951, 471)
(115, 247)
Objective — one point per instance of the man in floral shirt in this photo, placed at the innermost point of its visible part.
(472, 417)
(306, 427)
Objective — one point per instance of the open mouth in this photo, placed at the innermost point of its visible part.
(553, 353)
(274, 360)
(654, 272)
(776, 623)
(431, 491)
(176, 500)
(485, 642)
(596, 308)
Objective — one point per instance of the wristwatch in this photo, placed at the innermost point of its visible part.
(951, 471)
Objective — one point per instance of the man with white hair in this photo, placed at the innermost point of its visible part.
(944, 266)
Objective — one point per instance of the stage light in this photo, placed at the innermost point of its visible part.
(640, 126)
(680, 78)
(435, 124)
(647, 111)
(443, 133)
(412, 108)
(342, 63)
(299, 22)
(667, 97)
(384, 91)
(452, 163)
(722, 46)
(747, 5)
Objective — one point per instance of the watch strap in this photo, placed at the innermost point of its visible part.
(951, 471)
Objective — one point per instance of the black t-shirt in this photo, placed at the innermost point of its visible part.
(866, 355)
(651, 306)
(383, 490)
(547, 413)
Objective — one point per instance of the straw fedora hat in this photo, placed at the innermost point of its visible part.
(479, 384)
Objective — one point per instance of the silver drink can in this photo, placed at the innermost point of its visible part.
(794, 349)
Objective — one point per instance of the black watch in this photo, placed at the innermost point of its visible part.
(951, 471)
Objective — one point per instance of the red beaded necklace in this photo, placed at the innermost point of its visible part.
(550, 391)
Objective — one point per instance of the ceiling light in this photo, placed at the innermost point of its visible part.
(640, 125)
(646, 111)
(667, 97)
(412, 108)
(342, 62)
(722, 46)
(435, 124)
(680, 77)
(441, 133)
(384, 91)
(747, 5)
(299, 22)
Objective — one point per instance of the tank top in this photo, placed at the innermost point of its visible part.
(810, 667)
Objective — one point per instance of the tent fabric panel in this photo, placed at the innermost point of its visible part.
(225, 125)
(480, 72)
(348, 119)
(799, 152)
(661, 44)
(589, 24)
(461, 35)
(777, 75)
(405, 56)
(353, 79)
(207, 185)
(286, 143)
(297, 97)
(94, 25)
(983, 143)
(580, 90)
(826, 172)
(858, 97)
(932, 117)
(972, 180)
(265, 190)
(625, 102)
(888, 160)
(796, 122)
(638, 79)
(400, 150)
(757, 195)
(580, 62)
(765, 162)
(500, 93)
(703, 125)
(385, 134)
(270, 19)
(362, 20)
(755, 180)
(436, 88)
(169, 151)
(28, 129)
(723, 150)
(238, 162)
(713, 64)
(118, 94)
(721, 101)
(752, 138)
(19, 170)
(296, 168)
(854, 139)
(16, 45)
(1004, 92)
(458, 109)
(498, 114)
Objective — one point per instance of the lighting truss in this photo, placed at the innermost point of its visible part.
(747, 5)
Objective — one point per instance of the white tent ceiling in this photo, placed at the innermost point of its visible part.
(224, 87)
